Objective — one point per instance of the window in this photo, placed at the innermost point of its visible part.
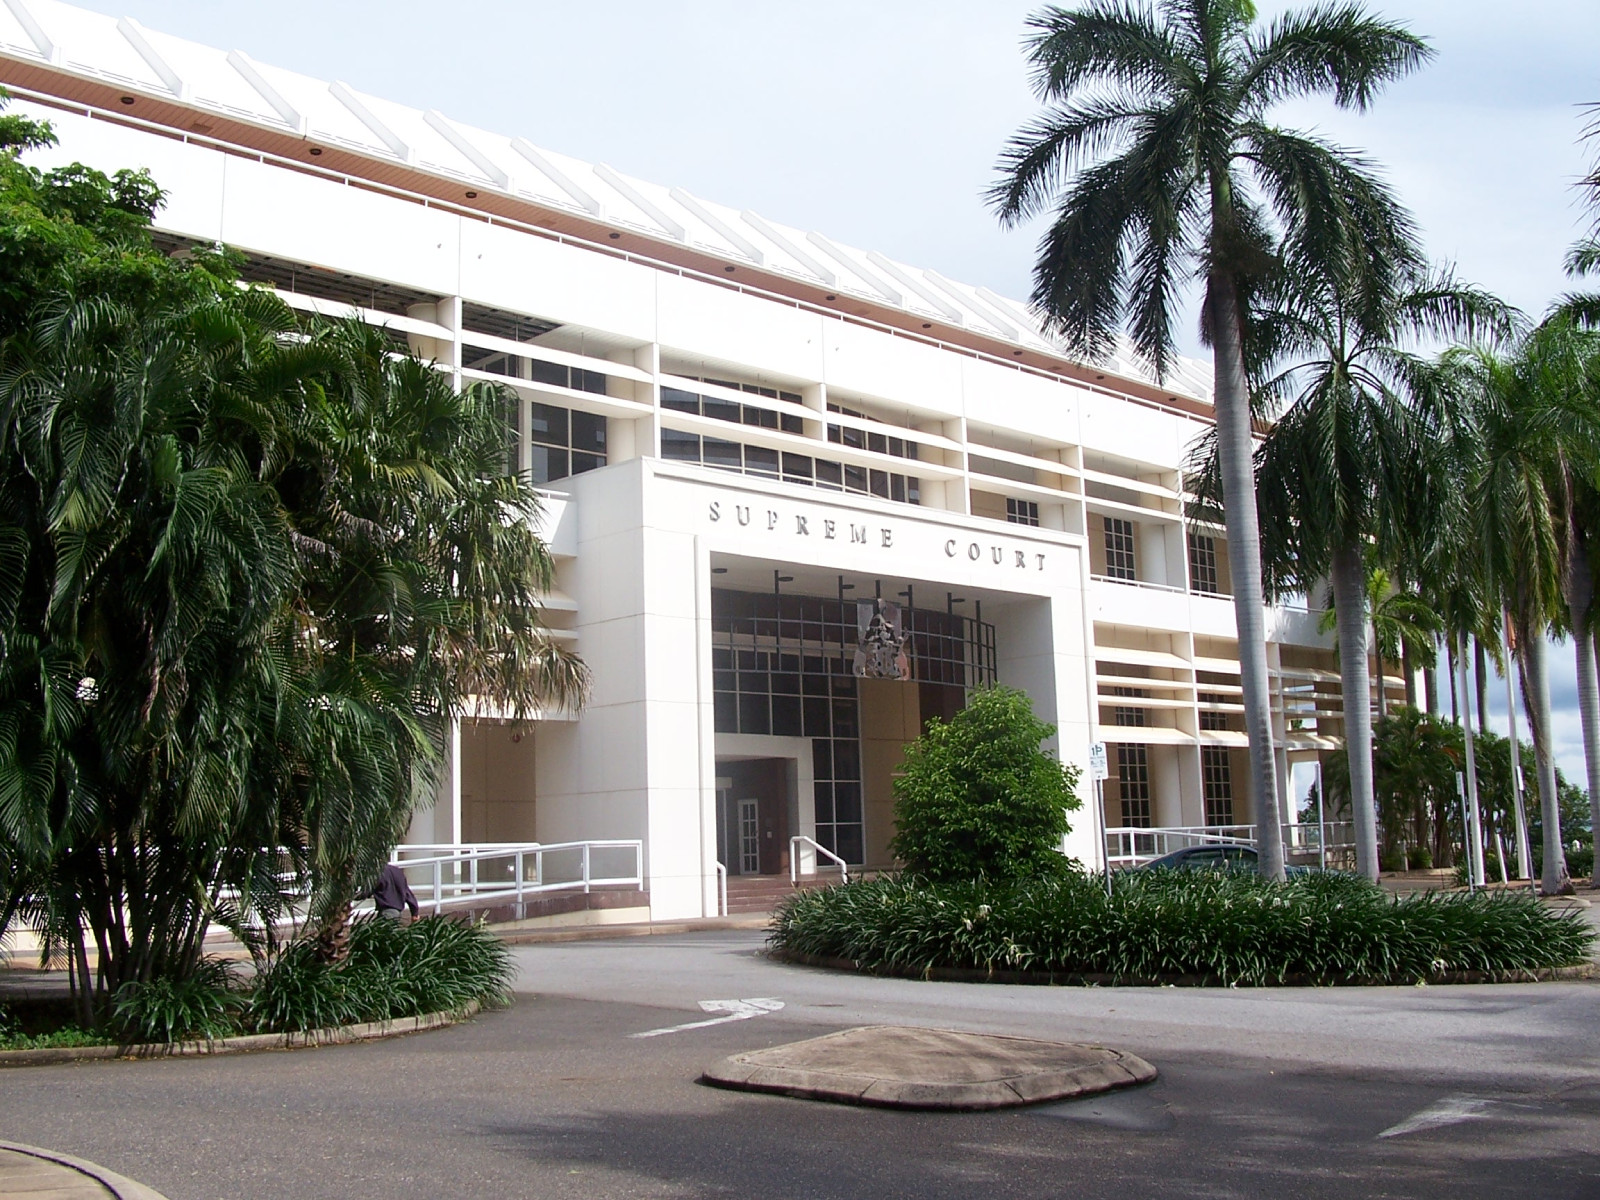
(1127, 714)
(576, 378)
(1216, 778)
(1202, 563)
(732, 411)
(1119, 548)
(1133, 780)
(1022, 512)
(1210, 718)
(564, 442)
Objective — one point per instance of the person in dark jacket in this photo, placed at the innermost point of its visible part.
(392, 893)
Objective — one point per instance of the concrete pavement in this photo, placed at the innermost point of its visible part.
(585, 1089)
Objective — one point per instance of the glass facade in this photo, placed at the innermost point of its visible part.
(1119, 548)
(1216, 776)
(1022, 512)
(1133, 784)
(1203, 563)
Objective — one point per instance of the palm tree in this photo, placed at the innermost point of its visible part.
(1353, 468)
(1159, 116)
(1539, 437)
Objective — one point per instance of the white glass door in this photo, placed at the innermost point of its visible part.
(749, 838)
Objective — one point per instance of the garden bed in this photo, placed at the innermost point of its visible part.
(1190, 928)
(244, 1043)
(395, 979)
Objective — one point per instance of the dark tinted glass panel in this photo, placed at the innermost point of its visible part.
(829, 474)
(855, 479)
(727, 710)
(833, 434)
(582, 462)
(680, 447)
(728, 455)
(786, 716)
(846, 759)
(679, 400)
(790, 423)
(549, 424)
(791, 397)
(547, 464)
(821, 759)
(824, 795)
(847, 802)
(753, 717)
(786, 683)
(797, 467)
(589, 381)
(897, 487)
(847, 842)
(721, 410)
(880, 484)
(853, 437)
(550, 373)
(878, 443)
(588, 432)
(760, 461)
(913, 489)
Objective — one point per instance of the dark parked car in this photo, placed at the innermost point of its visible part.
(1210, 858)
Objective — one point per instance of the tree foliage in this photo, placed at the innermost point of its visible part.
(977, 796)
(251, 568)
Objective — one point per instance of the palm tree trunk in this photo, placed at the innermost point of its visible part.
(1536, 699)
(1450, 665)
(1383, 692)
(1408, 667)
(1350, 608)
(1236, 457)
(1480, 678)
(1472, 823)
(1580, 597)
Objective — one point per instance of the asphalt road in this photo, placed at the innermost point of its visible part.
(1425, 1092)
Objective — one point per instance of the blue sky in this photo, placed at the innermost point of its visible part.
(879, 123)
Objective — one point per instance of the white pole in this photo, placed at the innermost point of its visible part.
(1471, 833)
(1322, 821)
(1524, 854)
(1461, 791)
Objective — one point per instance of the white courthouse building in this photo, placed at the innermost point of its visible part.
(758, 443)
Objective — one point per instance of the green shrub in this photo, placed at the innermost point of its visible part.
(977, 797)
(1233, 927)
(1393, 859)
(1420, 858)
(393, 970)
(174, 1010)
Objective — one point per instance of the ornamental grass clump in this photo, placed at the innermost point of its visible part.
(392, 970)
(1226, 927)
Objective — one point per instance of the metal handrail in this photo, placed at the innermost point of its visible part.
(1129, 845)
(455, 875)
(794, 859)
(722, 889)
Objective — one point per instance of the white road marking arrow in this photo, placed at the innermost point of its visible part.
(734, 1010)
(1452, 1110)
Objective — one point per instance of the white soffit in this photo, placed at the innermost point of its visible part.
(123, 53)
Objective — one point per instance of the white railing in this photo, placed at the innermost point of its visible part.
(800, 839)
(445, 876)
(722, 889)
(1128, 846)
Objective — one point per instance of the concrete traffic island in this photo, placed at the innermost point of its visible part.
(29, 1171)
(895, 1066)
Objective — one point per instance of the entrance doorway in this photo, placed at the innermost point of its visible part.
(753, 819)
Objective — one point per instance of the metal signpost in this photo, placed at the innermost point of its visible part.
(1100, 771)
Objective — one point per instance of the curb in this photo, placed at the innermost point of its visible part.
(119, 1186)
(341, 1035)
(595, 933)
(1078, 979)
